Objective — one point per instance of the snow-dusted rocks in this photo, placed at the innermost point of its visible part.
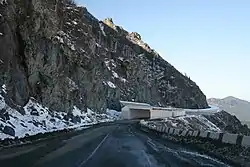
(39, 119)
(194, 122)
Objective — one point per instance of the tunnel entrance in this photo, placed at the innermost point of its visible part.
(135, 113)
(139, 114)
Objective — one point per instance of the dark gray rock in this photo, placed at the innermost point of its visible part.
(4, 115)
(76, 119)
(114, 104)
(52, 120)
(9, 131)
(34, 112)
(7, 116)
(21, 111)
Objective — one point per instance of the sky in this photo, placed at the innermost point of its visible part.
(208, 40)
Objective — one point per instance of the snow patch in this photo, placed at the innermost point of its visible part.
(98, 45)
(102, 29)
(59, 39)
(74, 22)
(2, 2)
(39, 119)
(2, 102)
(72, 85)
(115, 74)
(114, 114)
(111, 84)
(107, 64)
(123, 79)
(4, 89)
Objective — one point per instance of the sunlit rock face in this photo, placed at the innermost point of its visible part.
(61, 55)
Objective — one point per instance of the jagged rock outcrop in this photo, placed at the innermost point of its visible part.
(62, 56)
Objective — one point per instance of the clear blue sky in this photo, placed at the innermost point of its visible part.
(207, 39)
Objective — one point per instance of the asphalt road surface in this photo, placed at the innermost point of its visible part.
(115, 145)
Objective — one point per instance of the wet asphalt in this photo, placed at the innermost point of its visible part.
(114, 145)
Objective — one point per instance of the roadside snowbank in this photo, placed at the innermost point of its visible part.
(36, 118)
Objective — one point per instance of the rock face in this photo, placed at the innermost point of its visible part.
(9, 131)
(62, 56)
(228, 123)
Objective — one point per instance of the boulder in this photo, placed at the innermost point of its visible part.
(9, 131)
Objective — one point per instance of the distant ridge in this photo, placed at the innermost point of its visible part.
(233, 105)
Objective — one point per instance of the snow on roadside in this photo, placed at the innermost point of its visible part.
(114, 114)
(111, 84)
(39, 119)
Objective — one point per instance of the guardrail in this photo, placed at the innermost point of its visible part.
(226, 138)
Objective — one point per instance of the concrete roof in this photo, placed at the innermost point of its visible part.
(134, 103)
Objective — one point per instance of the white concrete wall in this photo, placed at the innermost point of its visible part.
(214, 135)
(125, 113)
(166, 130)
(154, 114)
(128, 113)
(195, 134)
(229, 138)
(246, 141)
(179, 113)
(203, 134)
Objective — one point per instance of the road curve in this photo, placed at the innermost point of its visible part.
(116, 145)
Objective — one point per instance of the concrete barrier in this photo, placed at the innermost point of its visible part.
(184, 133)
(166, 130)
(204, 134)
(245, 141)
(195, 134)
(229, 138)
(224, 138)
(171, 131)
(158, 129)
(214, 135)
(177, 132)
(162, 128)
(190, 133)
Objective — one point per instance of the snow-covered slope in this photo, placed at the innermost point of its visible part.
(35, 118)
(187, 122)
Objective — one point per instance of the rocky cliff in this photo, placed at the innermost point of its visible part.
(59, 54)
